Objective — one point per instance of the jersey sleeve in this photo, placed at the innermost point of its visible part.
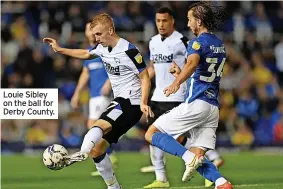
(138, 62)
(96, 50)
(85, 64)
(195, 47)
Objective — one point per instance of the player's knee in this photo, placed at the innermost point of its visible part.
(104, 125)
(198, 150)
(90, 123)
(150, 132)
(182, 140)
(148, 136)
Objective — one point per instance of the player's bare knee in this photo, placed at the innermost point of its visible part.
(104, 125)
(91, 123)
(180, 139)
(150, 132)
(198, 150)
(148, 136)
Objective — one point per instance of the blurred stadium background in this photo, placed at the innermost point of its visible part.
(251, 114)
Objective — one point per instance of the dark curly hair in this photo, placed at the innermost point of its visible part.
(211, 16)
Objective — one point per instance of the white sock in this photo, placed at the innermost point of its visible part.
(220, 181)
(212, 155)
(106, 171)
(91, 138)
(188, 156)
(157, 159)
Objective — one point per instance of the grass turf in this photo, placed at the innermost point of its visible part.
(244, 170)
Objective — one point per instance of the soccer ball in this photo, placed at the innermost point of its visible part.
(53, 156)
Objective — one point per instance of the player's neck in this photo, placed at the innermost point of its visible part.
(114, 41)
(168, 34)
(202, 30)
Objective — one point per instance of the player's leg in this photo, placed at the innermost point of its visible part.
(168, 144)
(113, 158)
(143, 126)
(177, 122)
(122, 116)
(100, 128)
(157, 112)
(212, 155)
(104, 165)
(97, 106)
(216, 159)
(121, 125)
(157, 155)
(203, 140)
(158, 162)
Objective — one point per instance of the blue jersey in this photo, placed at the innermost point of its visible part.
(204, 83)
(97, 76)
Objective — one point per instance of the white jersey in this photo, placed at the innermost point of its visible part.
(162, 53)
(123, 64)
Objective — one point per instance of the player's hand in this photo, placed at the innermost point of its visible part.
(147, 111)
(172, 89)
(53, 43)
(75, 102)
(174, 69)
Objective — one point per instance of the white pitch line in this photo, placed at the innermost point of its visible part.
(239, 185)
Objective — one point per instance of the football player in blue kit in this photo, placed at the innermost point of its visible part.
(199, 113)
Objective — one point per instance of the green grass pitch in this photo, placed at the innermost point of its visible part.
(244, 170)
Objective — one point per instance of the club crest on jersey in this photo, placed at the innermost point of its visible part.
(196, 45)
(117, 60)
(138, 58)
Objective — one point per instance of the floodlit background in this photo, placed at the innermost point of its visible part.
(251, 98)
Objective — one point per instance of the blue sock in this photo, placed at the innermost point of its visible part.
(209, 171)
(109, 150)
(168, 144)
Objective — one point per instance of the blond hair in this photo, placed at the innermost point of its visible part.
(103, 19)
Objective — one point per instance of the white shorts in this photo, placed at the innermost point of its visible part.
(97, 105)
(199, 118)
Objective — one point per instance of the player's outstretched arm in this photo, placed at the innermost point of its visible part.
(75, 53)
(187, 71)
(145, 86)
(84, 77)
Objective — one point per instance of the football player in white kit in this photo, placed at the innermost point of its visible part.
(130, 82)
(165, 48)
(168, 52)
(100, 90)
(199, 113)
